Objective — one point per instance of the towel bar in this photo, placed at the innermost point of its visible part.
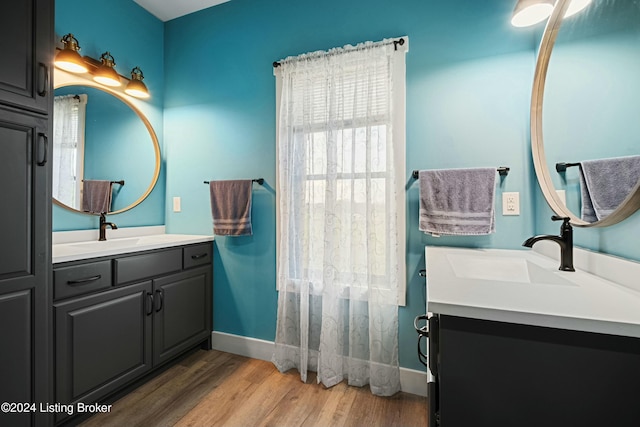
(258, 180)
(562, 167)
(121, 182)
(502, 170)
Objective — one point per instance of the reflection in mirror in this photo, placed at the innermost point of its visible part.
(591, 108)
(105, 156)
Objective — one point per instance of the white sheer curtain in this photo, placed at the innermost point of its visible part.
(68, 147)
(340, 261)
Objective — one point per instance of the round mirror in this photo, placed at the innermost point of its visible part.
(106, 156)
(586, 105)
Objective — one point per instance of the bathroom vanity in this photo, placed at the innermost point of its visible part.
(514, 341)
(125, 307)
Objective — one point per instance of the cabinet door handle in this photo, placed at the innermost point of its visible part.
(199, 256)
(160, 294)
(45, 139)
(86, 280)
(45, 80)
(149, 304)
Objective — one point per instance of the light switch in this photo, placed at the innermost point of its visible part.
(176, 204)
(511, 203)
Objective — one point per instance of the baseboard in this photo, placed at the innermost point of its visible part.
(411, 380)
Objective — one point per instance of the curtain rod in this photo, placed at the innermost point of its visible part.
(400, 42)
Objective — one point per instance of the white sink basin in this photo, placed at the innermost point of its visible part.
(522, 286)
(107, 244)
(92, 249)
(517, 270)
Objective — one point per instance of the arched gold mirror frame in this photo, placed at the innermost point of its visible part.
(631, 203)
(63, 79)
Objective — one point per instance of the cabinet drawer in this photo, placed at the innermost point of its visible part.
(81, 279)
(197, 255)
(138, 267)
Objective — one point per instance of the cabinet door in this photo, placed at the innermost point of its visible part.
(182, 312)
(26, 43)
(25, 253)
(102, 342)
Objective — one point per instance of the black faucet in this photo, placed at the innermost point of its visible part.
(103, 226)
(565, 240)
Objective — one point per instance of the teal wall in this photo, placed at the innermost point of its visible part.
(135, 38)
(469, 76)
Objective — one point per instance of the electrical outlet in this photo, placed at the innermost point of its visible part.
(563, 196)
(511, 203)
(176, 204)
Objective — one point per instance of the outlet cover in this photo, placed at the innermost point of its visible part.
(176, 204)
(511, 203)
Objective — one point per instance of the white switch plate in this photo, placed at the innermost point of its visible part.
(563, 196)
(511, 203)
(176, 204)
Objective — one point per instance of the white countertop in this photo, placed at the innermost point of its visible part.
(79, 245)
(522, 286)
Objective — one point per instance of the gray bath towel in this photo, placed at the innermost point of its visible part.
(231, 207)
(457, 201)
(605, 183)
(96, 196)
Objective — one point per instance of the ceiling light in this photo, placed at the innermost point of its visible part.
(68, 58)
(105, 73)
(136, 87)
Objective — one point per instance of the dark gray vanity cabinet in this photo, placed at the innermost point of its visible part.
(498, 374)
(120, 317)
(182, 314)
(103, 341)
(26, 43)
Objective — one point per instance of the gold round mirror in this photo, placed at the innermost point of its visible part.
(586, 104)
(101, 139)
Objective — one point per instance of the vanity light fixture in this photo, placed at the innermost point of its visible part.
(68, 58)
(576, 6)
(135, 87)
(530, 12)
(105, 73)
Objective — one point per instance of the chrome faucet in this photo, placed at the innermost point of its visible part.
(565, 240)
(103, 226)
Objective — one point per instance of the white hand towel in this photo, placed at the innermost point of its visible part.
(457, 201)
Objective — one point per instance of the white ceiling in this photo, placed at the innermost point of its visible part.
(166, 10)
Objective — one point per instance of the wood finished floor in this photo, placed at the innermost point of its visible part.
(213, 388)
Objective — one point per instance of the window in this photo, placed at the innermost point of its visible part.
(341, 169)
(68, 147)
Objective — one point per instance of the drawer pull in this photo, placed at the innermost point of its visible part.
(80, 282)
(200, 256)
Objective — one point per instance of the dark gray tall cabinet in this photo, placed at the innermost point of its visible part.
(26, 43)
